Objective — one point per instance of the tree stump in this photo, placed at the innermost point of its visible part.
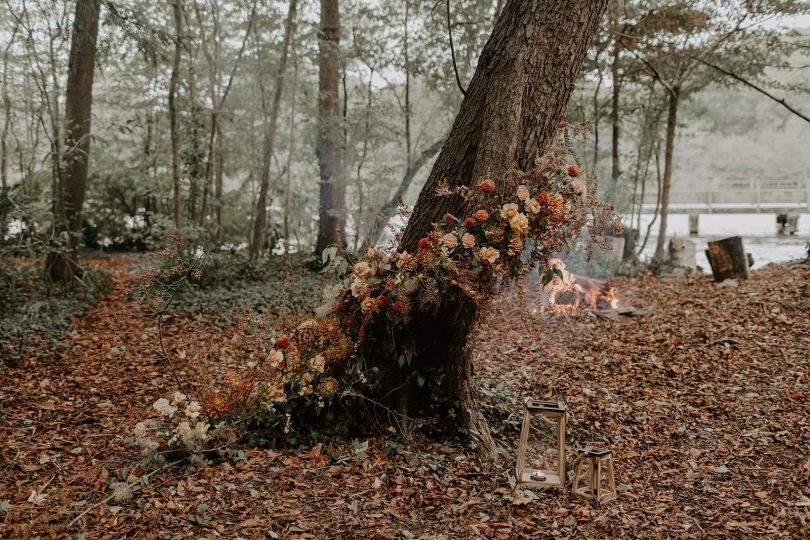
(728, 259)
(682, 253)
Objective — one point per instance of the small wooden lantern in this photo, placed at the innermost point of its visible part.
(593, 475)
(541, 452)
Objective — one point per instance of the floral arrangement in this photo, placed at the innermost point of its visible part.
(522, 217)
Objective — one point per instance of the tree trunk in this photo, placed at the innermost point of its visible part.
(175, 138)
(615, 172)
(728, 259)
(509, 116)
(259, 230)
(62, 265)
(672, 120)
(290, 153)
(331, 227)
(218, 164)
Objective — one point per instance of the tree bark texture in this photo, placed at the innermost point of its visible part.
(61, 265)
(509, 116)
(259, 231)
(175, 138)
(672, 122)
(331, 227)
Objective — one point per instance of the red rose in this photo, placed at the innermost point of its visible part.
(488, 186)
(424, 243)
(543, 198)
(449, 219)
(382, 302)
(573, 171)
(470, 223)
(283, 342)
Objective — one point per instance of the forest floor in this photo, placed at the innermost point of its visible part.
(704, 399)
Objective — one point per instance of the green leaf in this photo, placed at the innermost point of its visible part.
(420, 380)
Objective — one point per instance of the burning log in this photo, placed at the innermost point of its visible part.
(567, 292)
(728, 259)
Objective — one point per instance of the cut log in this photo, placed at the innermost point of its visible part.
(682, 253)
(728, 259)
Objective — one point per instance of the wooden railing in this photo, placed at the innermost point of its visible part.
(773, 196)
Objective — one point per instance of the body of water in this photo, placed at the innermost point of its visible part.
(758, 232)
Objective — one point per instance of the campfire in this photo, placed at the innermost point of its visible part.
(568, 293)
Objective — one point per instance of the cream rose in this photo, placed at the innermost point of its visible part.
(532, 206)
(363, 270)
(450, 240)
(489, 254)
(359, 288)
(509, 211)
(523, 193)
(468, 240)
(520, 223)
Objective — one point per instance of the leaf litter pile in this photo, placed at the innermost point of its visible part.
(703, 395)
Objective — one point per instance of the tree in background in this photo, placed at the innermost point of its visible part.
(331, 214)
(62, 264)
(260, 224)
(177, 11)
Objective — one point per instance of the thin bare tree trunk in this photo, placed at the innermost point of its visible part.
(389, 208)
(672, 122)
(332, 221)
(614, 120)
(62, 265)
(363, 154)
(407, 65)
(175, 138)
(259, 230)
(290, 154)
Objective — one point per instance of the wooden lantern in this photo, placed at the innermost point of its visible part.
(593, 475)
(541, 452)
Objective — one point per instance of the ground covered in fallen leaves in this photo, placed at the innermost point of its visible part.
(704, 396)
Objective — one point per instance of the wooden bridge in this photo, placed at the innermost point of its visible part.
(786, 196)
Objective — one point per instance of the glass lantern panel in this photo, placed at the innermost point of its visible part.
(541, 444)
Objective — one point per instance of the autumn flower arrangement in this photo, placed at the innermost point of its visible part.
(508, 221)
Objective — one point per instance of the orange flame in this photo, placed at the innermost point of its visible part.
(564, 295)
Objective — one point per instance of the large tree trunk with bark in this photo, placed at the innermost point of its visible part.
(672, 122)
(177, 10)
(260, 226)
(331, 227)
(509, 116)
(62, 265)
